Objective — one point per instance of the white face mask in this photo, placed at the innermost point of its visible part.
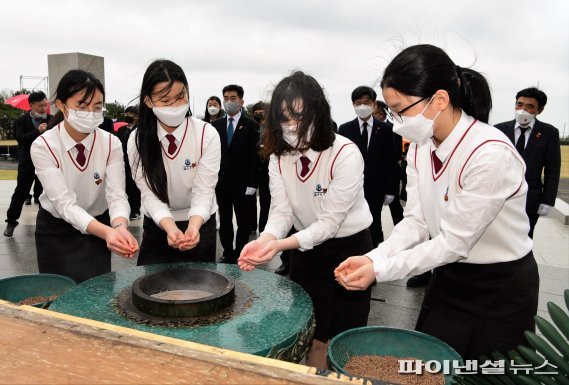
(84, 125)
(232, 107)
(290, 136)
(37, 116)
(418, 129)
(524, 118)
(363, 110)
(171, 116)
(213, 110)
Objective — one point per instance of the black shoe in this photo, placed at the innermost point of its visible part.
(134, 216)
(225, 258)
(283, 269)
(9, 230)
(28, 201)
(37, 201)
(419, 280)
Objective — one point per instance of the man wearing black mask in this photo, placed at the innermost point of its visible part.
(26, 129)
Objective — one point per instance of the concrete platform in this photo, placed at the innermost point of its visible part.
(393, 303)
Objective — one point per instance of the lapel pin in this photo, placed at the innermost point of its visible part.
(538, 135)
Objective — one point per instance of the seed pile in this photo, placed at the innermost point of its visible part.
(386, 368)
(182, 295)
(36, 300)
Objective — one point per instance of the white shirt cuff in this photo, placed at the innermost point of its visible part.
(304, 240)
(158, 216)
(119, 213)
(84, 222)
(201, 212)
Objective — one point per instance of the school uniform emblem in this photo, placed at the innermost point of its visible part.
(189, 165)
(319, 190)
(98, 179)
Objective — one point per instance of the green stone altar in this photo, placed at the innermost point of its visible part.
(271, 316)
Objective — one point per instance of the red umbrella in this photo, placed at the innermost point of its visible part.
(21, 102)
(118, 125)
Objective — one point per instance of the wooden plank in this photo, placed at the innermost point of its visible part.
(39, 346)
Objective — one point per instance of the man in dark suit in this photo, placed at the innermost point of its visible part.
(238, 173)
(379, 113)
(538, 144)
(26, 129)
(123, 133)
(376, 143)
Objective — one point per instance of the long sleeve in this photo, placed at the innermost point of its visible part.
(157, 209)
(492, 175)
(55, 187)
(203, 191)
(115, 182)
(412, 230)
(281, 214)
(552, 169)
(338, 200)
(23, 136)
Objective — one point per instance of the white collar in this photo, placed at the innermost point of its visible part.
(69, 142)
(178, 132)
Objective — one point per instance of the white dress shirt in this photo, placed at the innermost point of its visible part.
(78, 193)
(527, 134)
(192, 172)
(326, 203)
(473, 208)
(369, 127)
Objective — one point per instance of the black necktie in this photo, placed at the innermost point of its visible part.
(521, 143)
(364, 139)
(80, 154)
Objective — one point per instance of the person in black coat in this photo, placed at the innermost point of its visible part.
(238, 173)
(538, 144)
(376, 143)
(26, 129)
(123, 133)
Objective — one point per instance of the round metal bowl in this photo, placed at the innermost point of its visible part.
(216, 292)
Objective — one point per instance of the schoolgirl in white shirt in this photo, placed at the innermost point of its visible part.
(84, 210)
(465, 215)
(316, 183)
(175, 161)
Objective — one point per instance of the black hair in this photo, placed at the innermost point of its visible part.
(362, 91)
(71, 84)
(149, 147)
(380, 104)
(207, 115)
(421, 70)
(236, 88)
(533, 92)
(37, 96)
(131, 110)
(259, 106)
(315, 111)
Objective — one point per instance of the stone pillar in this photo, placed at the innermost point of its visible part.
(59, 64)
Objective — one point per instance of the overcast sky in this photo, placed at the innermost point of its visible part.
(343, 44)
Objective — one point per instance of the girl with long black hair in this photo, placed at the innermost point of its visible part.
(84, 209)
(174, 159)
(316, 183)
(213, 109)
(465, 215)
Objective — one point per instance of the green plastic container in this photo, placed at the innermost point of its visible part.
(16, 289)
(385, 341)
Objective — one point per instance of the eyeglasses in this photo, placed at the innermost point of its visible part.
(83, 113)
(396, 116)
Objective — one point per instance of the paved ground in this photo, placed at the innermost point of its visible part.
(394, 304)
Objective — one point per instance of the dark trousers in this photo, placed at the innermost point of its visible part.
(228, 202)
(532, 222)
(252, 200)
(155, 249)
(62, 249)
(25, 179)
(38, 188)
(396, 210)
(480, 309)
(265, 205)
(375, 203)
(132, 192)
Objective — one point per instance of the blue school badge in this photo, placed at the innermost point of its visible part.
(319, 191)
(189, 165)
(98, 179)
